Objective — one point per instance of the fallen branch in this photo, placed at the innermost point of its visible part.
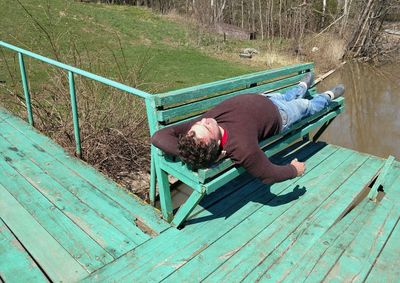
(327, 74)
(325, 29)
(392, 31)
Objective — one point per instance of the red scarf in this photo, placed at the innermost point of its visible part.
(224, 138)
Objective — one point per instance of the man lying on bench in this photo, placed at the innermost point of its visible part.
(234, 128)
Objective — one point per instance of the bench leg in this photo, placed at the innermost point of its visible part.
(165, 194)
(322, 129)
(185, 210)
(152, 193)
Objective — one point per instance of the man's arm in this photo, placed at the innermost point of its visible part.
(258, 165)
(166, 139)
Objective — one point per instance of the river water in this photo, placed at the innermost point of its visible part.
(371, 121)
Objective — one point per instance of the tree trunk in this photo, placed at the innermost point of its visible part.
(261, 20)
(363, 42)
(323, 13)
(253, 16)
(242, 13)
(280, 19)
(272, 19)
(221, 12)
(213, 11)
(346, 12)
(267, 28)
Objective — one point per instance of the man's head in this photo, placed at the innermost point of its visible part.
(201, 145)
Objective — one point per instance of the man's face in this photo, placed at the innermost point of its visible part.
(206, 129)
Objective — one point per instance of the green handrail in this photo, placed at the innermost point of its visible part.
(26, 88)
(71, 71)
(75, 113)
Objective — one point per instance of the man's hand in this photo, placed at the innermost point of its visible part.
(300, 166)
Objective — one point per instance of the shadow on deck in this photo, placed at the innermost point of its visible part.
(61, 220)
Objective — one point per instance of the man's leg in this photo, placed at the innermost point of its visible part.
(300, 108)
(291, 94)
(294, 110)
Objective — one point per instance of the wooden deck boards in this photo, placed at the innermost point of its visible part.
(63, 221)
(15, 263)
(62, 212)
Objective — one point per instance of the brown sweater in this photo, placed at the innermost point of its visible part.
(248, 119)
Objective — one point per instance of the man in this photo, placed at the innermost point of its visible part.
(234, 128)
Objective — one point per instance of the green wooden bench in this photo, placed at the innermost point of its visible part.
(166, 109)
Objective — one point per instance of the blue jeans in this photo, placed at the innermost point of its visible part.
(293, 107)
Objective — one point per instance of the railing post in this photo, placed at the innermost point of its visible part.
(26, 88)
(75, 113)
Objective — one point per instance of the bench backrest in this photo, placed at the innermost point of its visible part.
(173, 107)
(182, 104)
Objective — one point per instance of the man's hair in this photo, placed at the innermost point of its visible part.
(196, 153)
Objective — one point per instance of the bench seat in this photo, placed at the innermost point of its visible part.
(173, 107)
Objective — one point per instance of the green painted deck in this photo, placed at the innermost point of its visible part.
(61, 220)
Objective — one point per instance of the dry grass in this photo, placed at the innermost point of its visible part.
(114, 132)
(326, 50)
(272, 58)
(113, 124)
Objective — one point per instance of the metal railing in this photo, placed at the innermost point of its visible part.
(71, 72)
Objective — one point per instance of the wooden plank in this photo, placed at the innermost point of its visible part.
(132, 203)
(242, 263)
(233, 256)
(46, 251)
(358, 248)
(380, 181)
(392, 31)
(190, 93)
(300, 150)
(264, 277)
(194, 107)
(386, 268)
(16, 265)
(349, 225)
(291, 251)
(336, 244)
(174, 248)
(90, 220)
(166, 243)
(202, 264)
(222, 193)
(357, 260)
(81, 247)
(79, 187)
